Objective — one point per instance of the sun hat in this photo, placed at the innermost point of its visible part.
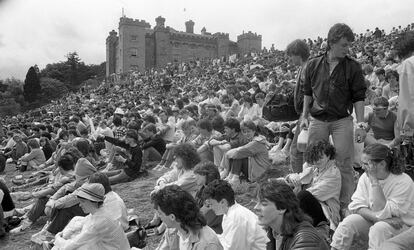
(91, 191)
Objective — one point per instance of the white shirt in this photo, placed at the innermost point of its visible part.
(252, 113)
(114, 208)
(241, 231)
(398, 191)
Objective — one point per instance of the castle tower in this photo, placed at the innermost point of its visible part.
(162, 43)
(249, 42)
(131, 45)
(189, 26)
(111, 44)
(223, 42)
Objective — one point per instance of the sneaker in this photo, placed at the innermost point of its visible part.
(42, 236)
(26, 223)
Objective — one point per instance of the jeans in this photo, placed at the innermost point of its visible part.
(218, 152)
(355, 225)
(342, 132)
(296, 157)
(240, 166)
(403, 241)
(150, 155)
(38, 209)
(61, 217)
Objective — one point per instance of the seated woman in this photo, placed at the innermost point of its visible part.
(319, 197)
(392, 88)
(34, 158)
(251, 159)
(249, 111)
(189, 133)
(182, 175)
(99, 231)
(383, 124)
(180, 212)
(278, 208)
(383, 203)
(205, 173)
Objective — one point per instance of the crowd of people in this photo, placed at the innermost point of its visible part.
(338, 111)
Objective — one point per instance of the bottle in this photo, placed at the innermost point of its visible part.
(303, 140)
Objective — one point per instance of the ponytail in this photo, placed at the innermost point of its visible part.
(392, 157)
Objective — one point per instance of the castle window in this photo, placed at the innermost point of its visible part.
(134, 38)
(134, 52)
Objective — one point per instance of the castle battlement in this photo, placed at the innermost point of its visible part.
(249, 35)
(221, 35)
(137, 46)
(191, 36)
(135, 22)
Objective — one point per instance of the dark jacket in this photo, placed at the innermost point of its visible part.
(305, 237)
(156, 142)
(333, 95)
(298, 95)
(133, 165)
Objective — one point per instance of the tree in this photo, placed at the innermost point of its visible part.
(74, 64)
(52, 88)
(31, 86)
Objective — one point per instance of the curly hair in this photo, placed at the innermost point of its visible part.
(174, 200)
(218, 190)
(32, 143)
(392, 73)
(188, 153)
(232, 123)
(392, 157)
(65, 162)
(278, 192)
(315, 151)
(207, 169)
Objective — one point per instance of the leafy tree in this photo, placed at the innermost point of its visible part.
(31, 86)
(52, 88)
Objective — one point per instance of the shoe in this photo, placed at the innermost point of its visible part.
(42, 236)
(26, 223)
(18, 182)
(158, 167)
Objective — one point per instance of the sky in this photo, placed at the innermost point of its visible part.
(44, 31)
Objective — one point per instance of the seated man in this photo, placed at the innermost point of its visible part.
(132, 165)
(153, 146)
(233, 138)
(206, 133)
(18, 150)
(383, 124)
(240, 225)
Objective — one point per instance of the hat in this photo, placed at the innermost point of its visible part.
(84, 169)
(91, 191)
(132, 134)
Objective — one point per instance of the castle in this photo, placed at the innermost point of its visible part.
(138, 47)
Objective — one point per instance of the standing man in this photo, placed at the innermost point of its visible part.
(334, 84)
(298, 52)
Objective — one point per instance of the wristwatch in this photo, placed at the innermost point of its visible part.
(362, 125)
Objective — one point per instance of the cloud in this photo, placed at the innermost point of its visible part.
(44, 31)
